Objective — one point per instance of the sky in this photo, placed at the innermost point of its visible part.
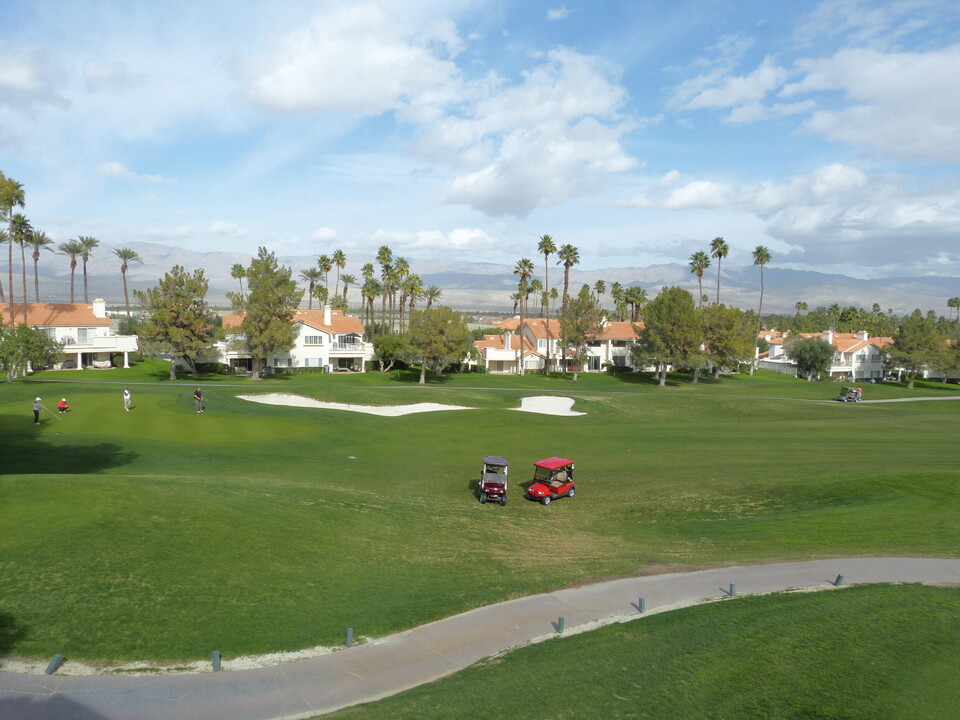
(635, 130)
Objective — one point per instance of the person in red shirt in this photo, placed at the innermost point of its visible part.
(62, 405)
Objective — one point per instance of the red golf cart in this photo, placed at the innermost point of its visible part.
(493, 480)
(552, 479)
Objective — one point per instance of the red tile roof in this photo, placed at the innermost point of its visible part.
(54, 315)
(339, 323)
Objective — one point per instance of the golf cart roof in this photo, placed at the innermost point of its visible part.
(494, 460)
(553, 463)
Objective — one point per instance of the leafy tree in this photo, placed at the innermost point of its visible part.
(126, 256)
(813, 356)
(699, 262)
(87, 244)
(391, 349)
(73, 250)
(272, 299)
(578, 326)
(38, 240)
(917, 344)
(673, 331)
(727, 335)
(23, 346)
(718, 250)
(438, 337)
(177, 317)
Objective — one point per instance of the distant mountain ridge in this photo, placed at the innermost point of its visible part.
(488, 286)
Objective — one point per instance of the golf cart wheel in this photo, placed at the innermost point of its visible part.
(572, 492)
(483, 498)
(545, 500)
(503, 501)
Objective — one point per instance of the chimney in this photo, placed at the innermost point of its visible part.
(506, 340)
(327, 315)
(99, 308)
(828, 336)
(863, 335)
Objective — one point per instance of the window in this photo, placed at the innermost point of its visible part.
(313, 340)
(282, 362)
(541, 344)
(84, 335)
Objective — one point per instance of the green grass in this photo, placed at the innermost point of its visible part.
(858, 654)
(159, 534)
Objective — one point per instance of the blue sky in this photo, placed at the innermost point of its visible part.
(464, 129)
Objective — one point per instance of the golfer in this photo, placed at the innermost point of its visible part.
(126, 399)
(36, 411)
(198, 399)
(62, 406)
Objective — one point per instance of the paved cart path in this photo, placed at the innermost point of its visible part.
(307, 688)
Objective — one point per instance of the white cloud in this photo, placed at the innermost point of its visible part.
(324, 233)
(220, 227)
(27, 77)
(118, 170)
(559, 13)
(427, 241)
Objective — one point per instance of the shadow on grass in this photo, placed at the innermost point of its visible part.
(28, 453)
(11, 634)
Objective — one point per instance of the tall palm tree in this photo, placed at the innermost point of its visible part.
(348, 280)
(761, 256)
(699, 262)
(953, 302)
(311, 276)
(87, 243)
(414, 289)
(432, 294)
(239, 272)
(339, 262)
(371, 288)
(402, 272)
(636, 298)
(11, 196)
(126, 256)
(546, 247)
(568, 256)
(385, 261)
(599, 289)
(21, 231)
(524, 270)
(619, 304)
(326, 265)
(73, 250)
(719, 250)
(38, 240)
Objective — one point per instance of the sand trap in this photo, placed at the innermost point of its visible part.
(383, 410)
(548, 405)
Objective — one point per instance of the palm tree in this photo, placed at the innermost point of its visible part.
(699, 262)
(599, 288)
(87, 243)
(524, 270)
(339, 262)
(11, 196)
(546, 247)
(413, 286)
(38, 240)
(401, 272)
(569, 256)
(73, 250)
(719, 250)
(21, 231)
(239, 272)
(761, 256)
(348, 280)
(619, 304)
(432, 294)
(126, 256)
(385, 261)
(326, 265)
(954, 302)
(371, 288)
(636, 298)
(311, 276)
(800, 306)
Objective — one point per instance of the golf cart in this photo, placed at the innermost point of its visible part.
(849, 394)
(493, 480)
(552, 479)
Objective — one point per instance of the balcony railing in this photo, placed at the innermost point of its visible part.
(347, 347)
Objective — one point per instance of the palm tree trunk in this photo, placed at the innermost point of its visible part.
(86, 296)
(126, 298)
(23, 269)
(36, 277)
(73, 273)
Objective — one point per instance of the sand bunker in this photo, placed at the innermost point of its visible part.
(383, 410)
(548, 405)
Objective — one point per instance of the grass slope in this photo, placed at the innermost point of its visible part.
(858, 654)
(161, 534)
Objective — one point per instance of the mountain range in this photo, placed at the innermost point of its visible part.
(488, 286)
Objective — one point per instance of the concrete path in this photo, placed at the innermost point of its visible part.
(308, 688)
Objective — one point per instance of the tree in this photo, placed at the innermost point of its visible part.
(38, 240)
(761, 256)
(239, 272)
(569, 256)
(311, 276)
(432, 294)
(917, 344)
(699, 262)
(954, 302)
(391, 349)
(727, 335)
(269, 309)
(325, 265)
(177, 319)
(126, 256)
(800, 306)
(438, 337)
(619, 301)
(22, 347)
(718, 250)
(339, 262)
(578, 326)
(636, 297)
(599, 289)
(11, 196)
(673, 331)
(813, 356)
(21, 231)
(73, 250)
(546, 247)
(384, 260)
(523, 270)
(370, 290)
(87, 244)
(413, 287)
(348, 280)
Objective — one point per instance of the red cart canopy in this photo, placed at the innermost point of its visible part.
(553, 463)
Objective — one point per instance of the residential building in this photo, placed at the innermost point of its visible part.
(85, 331)
(857, 356)
(325, 338)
